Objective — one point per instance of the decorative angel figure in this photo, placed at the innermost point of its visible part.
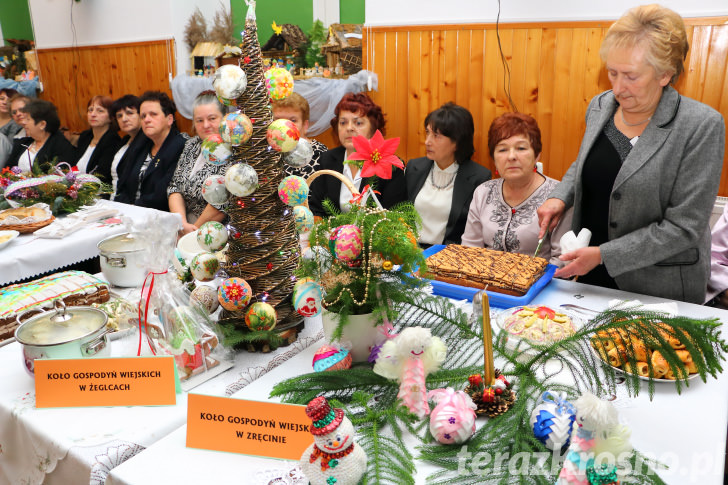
(598, 433)
(410, 357)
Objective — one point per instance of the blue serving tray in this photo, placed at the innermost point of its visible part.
(499, 300)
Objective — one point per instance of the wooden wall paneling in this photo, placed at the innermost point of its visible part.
(426, 86)
(414, 135)
(573, 99)
(474, 88)
(545, 99)
(562, 81)
(450, 54)
(400, 124)
(531, 72)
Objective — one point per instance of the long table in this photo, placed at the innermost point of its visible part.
(29, 255)
(686, 431)
(81, 445)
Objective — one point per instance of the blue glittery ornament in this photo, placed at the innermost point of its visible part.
(552, 420)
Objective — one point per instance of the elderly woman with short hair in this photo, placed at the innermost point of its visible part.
(441, 184)
(648, 169)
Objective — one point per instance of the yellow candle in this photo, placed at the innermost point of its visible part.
(488, 365)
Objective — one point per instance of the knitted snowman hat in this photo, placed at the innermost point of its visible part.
(325, 418)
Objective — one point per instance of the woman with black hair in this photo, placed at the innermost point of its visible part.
(45, 142)
(441, 184)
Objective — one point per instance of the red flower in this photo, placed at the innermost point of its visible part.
(475, 380)
(377, 154)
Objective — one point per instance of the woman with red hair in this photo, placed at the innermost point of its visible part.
(97, 146)
(502, 213)
(355, 115)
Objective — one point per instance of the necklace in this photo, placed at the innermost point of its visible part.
(441, 187)
(621, 113)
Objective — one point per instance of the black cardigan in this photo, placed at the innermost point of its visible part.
(158, 174)
(470, 175)
(392, 190)
(55, 146)
(103, 155)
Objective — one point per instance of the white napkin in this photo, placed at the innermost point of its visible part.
(60, 228)
(93, 213)
(668, 307)
(571, 242)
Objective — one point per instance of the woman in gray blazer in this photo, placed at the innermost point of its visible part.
(441, 185)
(648, 169)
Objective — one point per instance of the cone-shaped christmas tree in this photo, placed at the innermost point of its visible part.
(263, 245)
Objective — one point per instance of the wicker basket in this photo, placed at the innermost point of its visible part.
(27, 228)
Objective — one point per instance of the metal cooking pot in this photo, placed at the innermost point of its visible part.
(63, 333)
(123, 260)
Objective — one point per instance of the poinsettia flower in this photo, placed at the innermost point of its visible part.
(377, 154)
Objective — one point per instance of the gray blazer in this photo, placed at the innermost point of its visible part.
(660, 205)
(470, 175)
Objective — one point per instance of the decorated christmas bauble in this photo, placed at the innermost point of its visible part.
(453, 419)
(282, 135)
(204, 266)
(552, 420)
(241, 179)
(301, 155)
(206, 296)
(307, 297)
(279, 82)
(236, 128)
(303, 218)
(348, 242)
(212, 236)
(214, 191)
(293, 190)
(329, 357)
(260, 316)
(229, 83)
(234, 294)
(215, 150)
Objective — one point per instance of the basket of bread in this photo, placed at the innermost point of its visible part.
(633, 349)
(26, 219)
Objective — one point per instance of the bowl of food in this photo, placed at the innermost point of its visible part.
(6, 237)
(539, 325)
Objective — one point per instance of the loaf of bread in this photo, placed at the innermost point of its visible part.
(509, 273)
(21, 213)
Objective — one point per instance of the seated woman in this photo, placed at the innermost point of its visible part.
(441, 184)
(126, 112)
(185, 189)
(355, 115)
(45, 142)
(17, 103)
(503, 211)
(295, 108)
(154, 158)
(8, 126)
(96, 146)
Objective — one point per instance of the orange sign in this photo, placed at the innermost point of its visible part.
(135, 381)
(272, 430)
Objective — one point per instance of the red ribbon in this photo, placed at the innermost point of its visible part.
(146, 310)
(357, 198)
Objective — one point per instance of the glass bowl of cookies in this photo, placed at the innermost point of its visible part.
(532, 324)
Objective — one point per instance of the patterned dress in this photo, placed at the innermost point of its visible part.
(312, 166)
(189, 184)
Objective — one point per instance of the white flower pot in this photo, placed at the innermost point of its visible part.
(360, 332)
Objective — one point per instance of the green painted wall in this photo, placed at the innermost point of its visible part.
(299, 12)
(351, 11)
(15, 19)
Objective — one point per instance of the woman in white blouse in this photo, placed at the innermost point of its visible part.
(441, 184)
(126, 112)
(503, 211)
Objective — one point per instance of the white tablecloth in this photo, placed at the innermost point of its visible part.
(687, 431)
(80, 445)
(29, 255)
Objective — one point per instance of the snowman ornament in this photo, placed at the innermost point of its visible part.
(333, 457)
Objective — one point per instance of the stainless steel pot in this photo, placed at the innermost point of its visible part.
(63, 333)
(123, 260)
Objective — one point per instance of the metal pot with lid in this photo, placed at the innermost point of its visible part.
(123, 260)
(63, 333)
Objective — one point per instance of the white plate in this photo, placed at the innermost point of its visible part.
(3, 234)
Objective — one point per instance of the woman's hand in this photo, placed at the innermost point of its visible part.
(188, 228)
(549, 215)
(582, 260)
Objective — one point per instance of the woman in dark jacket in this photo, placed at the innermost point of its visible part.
(153, 156)
(355, 115)
(45, 142)
(441, 185)
(96, 146)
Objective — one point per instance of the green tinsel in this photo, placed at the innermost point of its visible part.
(510, 433)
